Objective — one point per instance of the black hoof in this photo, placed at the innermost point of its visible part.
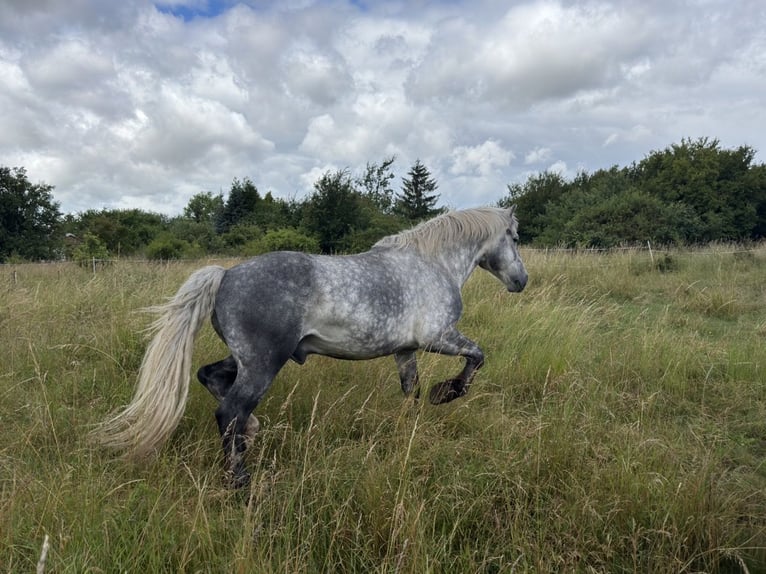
(446, 391)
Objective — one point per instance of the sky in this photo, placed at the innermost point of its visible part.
(142, 104)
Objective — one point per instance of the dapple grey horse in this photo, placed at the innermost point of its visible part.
(402, 295)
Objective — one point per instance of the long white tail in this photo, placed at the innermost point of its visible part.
(163, 379)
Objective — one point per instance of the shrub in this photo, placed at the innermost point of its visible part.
(167, 247)
(285, 239)
(91, 248)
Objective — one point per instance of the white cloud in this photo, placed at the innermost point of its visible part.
(538, 155)
(315, 173)
(634, 134)
(182, 127)
(559, 167)
(69, 65)
(321, 132)
(481, 159)
(119, 103)
(533, 52)
(215, 80)
(315, 76)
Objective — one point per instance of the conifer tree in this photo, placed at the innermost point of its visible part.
(418, 198)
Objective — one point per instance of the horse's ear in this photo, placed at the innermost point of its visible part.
(511, 210)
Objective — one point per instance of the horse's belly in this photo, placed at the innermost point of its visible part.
(351, 344)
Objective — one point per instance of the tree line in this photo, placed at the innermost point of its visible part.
(688, 193)
(344, 213)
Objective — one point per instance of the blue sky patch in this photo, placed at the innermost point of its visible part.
(194, 9)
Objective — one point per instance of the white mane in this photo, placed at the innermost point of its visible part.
(477, 224)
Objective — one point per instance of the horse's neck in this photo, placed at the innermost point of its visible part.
(461, 261)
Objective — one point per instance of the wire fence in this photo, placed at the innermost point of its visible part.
(661, 258)
(565, 256)
(722, 249)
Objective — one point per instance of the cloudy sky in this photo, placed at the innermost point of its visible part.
(143, 104)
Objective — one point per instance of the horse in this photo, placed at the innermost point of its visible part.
(401, 296)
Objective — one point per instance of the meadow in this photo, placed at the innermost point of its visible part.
(619, 425)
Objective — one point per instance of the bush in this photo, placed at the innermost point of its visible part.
(285, 239)
(91, 248)
(167, 247)
(240, 235)
(611, 216)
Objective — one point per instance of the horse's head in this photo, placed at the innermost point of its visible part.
(501, 255)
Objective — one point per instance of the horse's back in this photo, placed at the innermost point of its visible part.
(269, 273)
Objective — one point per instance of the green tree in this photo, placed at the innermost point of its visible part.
(756, 183)
(607, 208)
(716, 183)
(272, 213)
(123, 231)
(29, 218)
(240, 207)
(333, 210)
(418, 198)
(690, 192)
(201, 236)
(609, 217)
(375, 184)
(532, 199)
(204, 207)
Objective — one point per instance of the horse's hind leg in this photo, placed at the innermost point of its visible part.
(253, 380)
(218, 379)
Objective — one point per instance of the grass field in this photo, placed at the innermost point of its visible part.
(619, 425)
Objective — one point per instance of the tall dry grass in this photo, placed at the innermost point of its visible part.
(619, 425)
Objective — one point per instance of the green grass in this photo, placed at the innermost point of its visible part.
(619, 425)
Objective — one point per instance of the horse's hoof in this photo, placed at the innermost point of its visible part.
(446, 391)
(238, 481)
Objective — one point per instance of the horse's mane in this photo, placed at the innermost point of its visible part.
(469, 224)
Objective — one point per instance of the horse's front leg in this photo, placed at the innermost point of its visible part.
(407, 364)
(453, 342)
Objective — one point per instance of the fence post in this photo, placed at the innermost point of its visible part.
(651, 255)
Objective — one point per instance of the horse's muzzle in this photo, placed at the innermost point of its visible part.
(517, 285)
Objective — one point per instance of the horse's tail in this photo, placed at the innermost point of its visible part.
(163, 378)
